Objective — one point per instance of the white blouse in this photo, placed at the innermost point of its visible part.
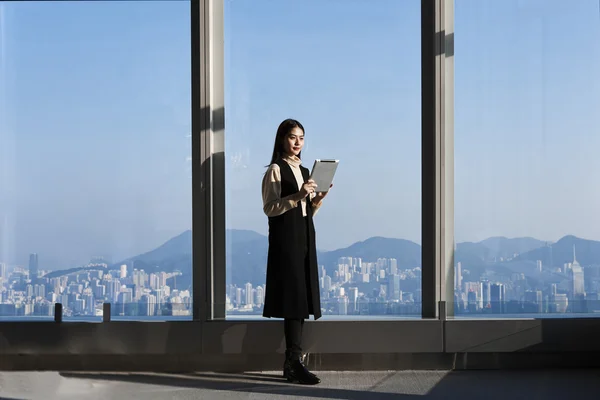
(273, 204)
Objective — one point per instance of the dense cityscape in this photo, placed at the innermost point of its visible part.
(352, 287)
(380, 288)
(33, 292)
(356, 288)
(567, 289)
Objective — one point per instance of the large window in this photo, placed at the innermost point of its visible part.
(95, 172)
(526, 159)
(350, 71)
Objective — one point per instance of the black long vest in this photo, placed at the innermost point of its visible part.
(292, 274)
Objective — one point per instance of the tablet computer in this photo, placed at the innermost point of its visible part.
(323, 172)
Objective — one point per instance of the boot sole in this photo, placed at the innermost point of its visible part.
(299, 382)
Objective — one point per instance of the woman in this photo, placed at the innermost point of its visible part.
(290, 200)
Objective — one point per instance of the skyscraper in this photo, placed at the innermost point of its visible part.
(486, 293)
(353, 298)
(533, 300)
(260, 295)
(147, 305)
(123, 273)
(393, 289)
(3, 271)
(393, 266)
(33, 267)
(343, 305)
(238, 297)
(458, 278)
(249, 296)
(498, 297)
(577, 281)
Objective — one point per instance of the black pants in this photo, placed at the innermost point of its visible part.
(293, 327)
(293, 336)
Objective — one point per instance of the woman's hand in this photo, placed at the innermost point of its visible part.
(307, 189)
(321, 195)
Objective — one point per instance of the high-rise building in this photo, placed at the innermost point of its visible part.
(381, 265)
(238, 296)
(343, 305)
(123, 273)
(147, 305)
(539, 265)
(393, 289)
(33, 267)
(249, 297)
(561, 302)
(39, 290)
(3, 272)
(353, 298)
(472, 301)
(358, 264)
(125, 296)
(154, 281)
(79, 306)
(90, 304)
(393, 266)
(533, 301)
(260, 296)
(498, 297)
(486, 292)
(577, 279)
(477, 289)
(99, 290)
(458, 276)
(365, 268)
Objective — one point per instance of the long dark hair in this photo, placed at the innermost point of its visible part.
(284, 129)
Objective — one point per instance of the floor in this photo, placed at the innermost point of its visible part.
(425, 385)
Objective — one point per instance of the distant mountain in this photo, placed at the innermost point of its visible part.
(246, 256)
(561, 252)
(494, 248)
(471, 253)
(501, 247)
(179, 246)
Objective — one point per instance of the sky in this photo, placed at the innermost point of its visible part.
(95, 119)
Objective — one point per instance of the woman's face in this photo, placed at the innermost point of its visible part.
(293, 142)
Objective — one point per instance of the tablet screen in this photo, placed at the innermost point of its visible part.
(323, 172)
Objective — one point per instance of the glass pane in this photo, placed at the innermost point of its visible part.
(350, 72)
(95, 175)
(526, 139)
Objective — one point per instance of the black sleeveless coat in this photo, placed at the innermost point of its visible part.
(292, 289)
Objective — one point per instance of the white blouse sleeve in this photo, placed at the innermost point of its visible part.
(273, 204)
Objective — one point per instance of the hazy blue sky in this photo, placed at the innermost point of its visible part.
(94, 128)
(95, 118)
(527, 91)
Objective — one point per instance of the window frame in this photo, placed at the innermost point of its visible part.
(437, 161)
(209, 342)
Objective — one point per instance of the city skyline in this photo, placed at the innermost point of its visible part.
(353, 287)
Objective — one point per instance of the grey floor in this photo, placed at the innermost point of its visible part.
(463, 385)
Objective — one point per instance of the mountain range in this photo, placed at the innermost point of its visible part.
(246, 255)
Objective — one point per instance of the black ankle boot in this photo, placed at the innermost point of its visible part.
(296, 372)
(289, 357)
